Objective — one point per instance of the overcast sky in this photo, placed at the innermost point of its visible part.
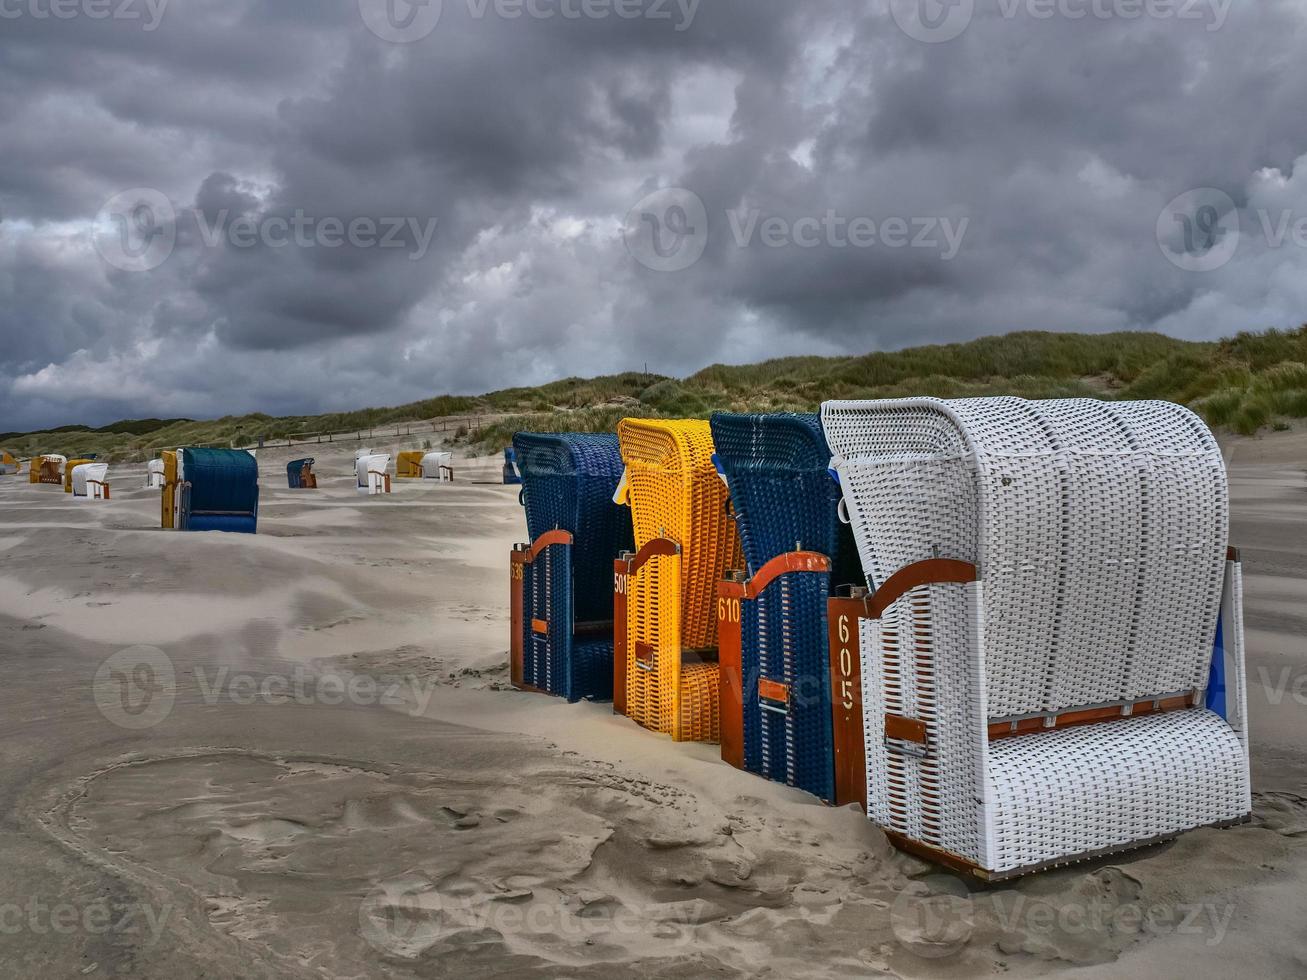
(222, 206)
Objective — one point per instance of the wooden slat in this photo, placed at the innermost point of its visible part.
(517, 575)
(730, 671)
(905, 729)
(933, 571)
(770, 690)
(621, 582)
(843, 617)
(791, 561)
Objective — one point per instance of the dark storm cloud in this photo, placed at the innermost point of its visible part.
(507, 151)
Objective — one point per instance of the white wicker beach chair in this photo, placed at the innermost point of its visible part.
(89, 481)
(371, 471)
(1054, 615)
(154, 478)
(438, 466)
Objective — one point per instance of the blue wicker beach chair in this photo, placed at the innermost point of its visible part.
(795, 550)
(562, 640)
(511, 475)
(219, 491)
(300, 475)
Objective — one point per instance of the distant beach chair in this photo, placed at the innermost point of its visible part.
(1054, 602)
(370, 472)
(437, 466)
(511, 476)
(666, 592)
(89, 481)
(8, 463)
(48, 469)
(211, 490)
(562, 599)
(154, 474)
(408, 465)
(300, 475)
(69, 466)
(772, 627)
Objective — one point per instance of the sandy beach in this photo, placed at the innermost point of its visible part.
(296, 754)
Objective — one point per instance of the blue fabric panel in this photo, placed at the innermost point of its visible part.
(223, 522)
(1216, 698)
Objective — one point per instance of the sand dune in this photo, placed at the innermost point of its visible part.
(331, 777)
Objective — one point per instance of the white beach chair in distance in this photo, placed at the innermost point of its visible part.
(438, 466)
(154, 477)
(372, 473)
(89, 481)
(1052, 663)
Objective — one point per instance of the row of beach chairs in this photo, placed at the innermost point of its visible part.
(1010, 630)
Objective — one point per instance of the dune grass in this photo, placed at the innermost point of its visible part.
(1244, 384)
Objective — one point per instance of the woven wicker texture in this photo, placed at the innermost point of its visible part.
(568, 480)
(783, 498)
(568, 484)
(408, 464)
(1099, 529)
(674, 492)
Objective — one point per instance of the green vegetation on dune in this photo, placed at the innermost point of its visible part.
(1244, 384)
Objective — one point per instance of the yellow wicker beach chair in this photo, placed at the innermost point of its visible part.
(685, 541)
(69, 466)
(408, 465)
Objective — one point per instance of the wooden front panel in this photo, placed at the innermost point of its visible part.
(169, 496)
(517, 578)
(730, 672)
(844, 619)
(776, 691)
(621, 583)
